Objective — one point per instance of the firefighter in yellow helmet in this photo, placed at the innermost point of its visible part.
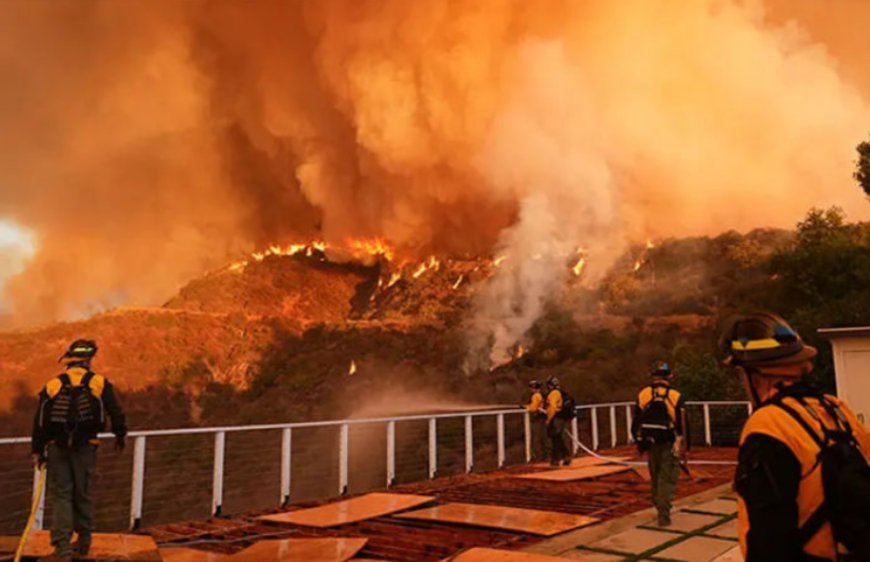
(802, 477)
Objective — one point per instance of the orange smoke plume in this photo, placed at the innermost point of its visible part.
(153, 142)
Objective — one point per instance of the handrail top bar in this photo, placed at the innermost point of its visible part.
(361, 421)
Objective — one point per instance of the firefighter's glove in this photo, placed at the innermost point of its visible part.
(120, 443)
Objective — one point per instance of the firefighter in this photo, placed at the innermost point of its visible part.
(538, 415)
(788, 510)
(72, 411)
(557, 419)
(658, 429)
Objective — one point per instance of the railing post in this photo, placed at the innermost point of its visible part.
(575, 442)
(628, 420)
(391, 453)
(527, 433)
(613, 427)
(594, 411)
(217, 488)
(137, 491)
(499, 422)
(286, 466)
(433, 448)
(469, 445)
(39, 518)
(343, 454)
(708, 438)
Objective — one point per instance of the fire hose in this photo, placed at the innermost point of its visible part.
(612, 460)
(37, 497)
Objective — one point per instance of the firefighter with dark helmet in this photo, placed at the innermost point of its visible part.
(536, 407)
(658, 429)
(72, 410)
(803, 479)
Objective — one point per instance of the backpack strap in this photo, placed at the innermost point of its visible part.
(812, 525)
(801, 421)
(64, 379)
(820, 516)
(86, 380)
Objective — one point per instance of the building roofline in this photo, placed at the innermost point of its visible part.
(848, 332)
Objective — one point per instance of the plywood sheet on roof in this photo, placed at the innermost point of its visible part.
(295, 550)
(532, 521)
(353, 510)
(105, 546)
(495, 555)
(571, 474)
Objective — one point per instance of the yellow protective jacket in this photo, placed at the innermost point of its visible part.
(536, 402)
(100, 387)
(673, 401)
(554, 404)
(774, 500)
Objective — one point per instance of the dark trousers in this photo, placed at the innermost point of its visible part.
(664, 468)
(559, 446)
(69, 492)
(540, 438)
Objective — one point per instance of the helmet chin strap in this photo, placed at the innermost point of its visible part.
(748, 372)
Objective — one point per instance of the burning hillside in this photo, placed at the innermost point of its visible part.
(209, 129)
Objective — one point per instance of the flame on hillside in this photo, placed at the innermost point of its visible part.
(514, 354)
(362, 249)
(352, 369)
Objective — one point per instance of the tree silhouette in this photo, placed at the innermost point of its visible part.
(862, 166)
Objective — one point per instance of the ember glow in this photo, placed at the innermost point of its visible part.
(411, 129)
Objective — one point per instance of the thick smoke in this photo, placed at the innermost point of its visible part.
(147, 142)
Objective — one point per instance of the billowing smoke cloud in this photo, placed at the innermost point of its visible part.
(147, 143)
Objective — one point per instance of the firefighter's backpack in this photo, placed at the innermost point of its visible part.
(845, 479)
(74, 412)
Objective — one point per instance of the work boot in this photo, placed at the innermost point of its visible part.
(81, 548)
(57, 557)
(554, 464)
(566, 462)
(664, 519)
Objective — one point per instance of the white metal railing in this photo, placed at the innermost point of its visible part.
(285, 485)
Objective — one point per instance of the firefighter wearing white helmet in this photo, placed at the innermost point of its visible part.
(803, 478)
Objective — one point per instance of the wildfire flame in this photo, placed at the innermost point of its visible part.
(649, 244)
(458, 282)
(373, 247)
(369, 247)
(638, 264)
(394, 278)
(431, 263)
(352, 368)
(499, 260)
(516, 354)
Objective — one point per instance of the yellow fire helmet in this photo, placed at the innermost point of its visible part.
(762, 340)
